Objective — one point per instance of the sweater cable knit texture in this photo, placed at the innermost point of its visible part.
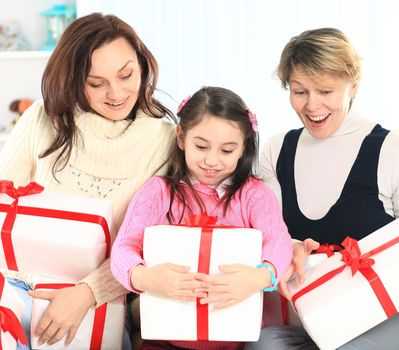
(110, 159)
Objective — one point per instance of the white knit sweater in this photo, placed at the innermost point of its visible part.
(109, 160)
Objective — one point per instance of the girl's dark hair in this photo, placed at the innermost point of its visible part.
(63, 82)
(220, 103)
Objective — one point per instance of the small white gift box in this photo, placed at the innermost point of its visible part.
(168, 319)
(101, 329)
(352, 291)
(11, 309)
(52, 234)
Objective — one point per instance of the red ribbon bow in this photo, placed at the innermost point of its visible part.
(201, 220)
(9, 322)
(352, 257)
(328, 249)
(8, 188)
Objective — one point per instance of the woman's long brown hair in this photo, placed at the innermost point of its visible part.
(63, 82)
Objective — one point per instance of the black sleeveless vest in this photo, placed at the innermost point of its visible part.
(357, 212)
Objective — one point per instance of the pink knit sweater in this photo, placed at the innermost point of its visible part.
(255, 207)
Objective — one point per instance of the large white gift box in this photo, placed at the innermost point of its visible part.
(11, 309)
(101, 329)
(338, 301)
(53, 234)
(168, 319)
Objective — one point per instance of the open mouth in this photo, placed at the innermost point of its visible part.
(117, 104)
(319, 118)
(209, 172)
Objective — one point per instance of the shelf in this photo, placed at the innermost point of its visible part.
(24, 54)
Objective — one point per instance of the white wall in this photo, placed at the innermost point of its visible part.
(237, 43)
(231, 43)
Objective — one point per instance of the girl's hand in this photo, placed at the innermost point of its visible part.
(67, 309)
(169, 280)
(235, 283)
(301, 251)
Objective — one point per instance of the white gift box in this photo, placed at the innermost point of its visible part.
(346, 306)
(168, 319)
(53, 235)
(313, 260)
(105, 334)
(11, 300)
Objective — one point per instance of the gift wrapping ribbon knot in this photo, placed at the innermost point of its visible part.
(8, 188)
(328, 249)
(9, 322)
(200, 220)
(13, 209)
(352, 257)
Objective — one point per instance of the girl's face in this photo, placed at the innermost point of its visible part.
(212, 149)
(113, 84)
(321, 103)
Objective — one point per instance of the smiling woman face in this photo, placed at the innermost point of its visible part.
(113, 84)
(321, 102)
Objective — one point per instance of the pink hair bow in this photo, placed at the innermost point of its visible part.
(183, 103)
(254, 122)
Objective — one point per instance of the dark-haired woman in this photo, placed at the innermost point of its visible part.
(98, 132)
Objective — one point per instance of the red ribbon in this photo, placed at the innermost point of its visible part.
(99, 316)
(284, 309)
(328, 249)
(8, 188)
(13, 208)
(9, 322)
(207, 224)
(200, 220)
(352, 257)
(98, 327)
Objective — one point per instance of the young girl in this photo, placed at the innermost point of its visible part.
(211, 170)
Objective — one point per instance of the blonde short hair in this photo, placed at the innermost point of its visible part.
(317, 52)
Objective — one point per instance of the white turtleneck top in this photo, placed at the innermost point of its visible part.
(111, 159)
(323, 165)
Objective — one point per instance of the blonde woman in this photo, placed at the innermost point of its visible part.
(337, 174)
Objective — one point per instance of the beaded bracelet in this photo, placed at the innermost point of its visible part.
(273, 276)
